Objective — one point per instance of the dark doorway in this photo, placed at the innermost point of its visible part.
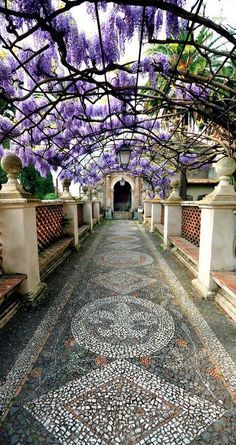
(122, 197)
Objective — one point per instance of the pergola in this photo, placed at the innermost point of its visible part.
(69, 99)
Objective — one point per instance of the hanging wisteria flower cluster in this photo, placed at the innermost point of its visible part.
(72, 92)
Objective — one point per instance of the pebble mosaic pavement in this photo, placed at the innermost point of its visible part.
(129, 361)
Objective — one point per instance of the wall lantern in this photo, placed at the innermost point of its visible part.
(123, 154)
(122, 182)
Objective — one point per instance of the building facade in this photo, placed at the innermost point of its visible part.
(122, 191)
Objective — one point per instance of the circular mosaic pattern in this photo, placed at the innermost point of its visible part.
(122, 246)
(123, 327)
(122, 238)
(123, 259)
(123, 229)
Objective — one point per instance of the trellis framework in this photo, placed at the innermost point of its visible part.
(74, 99)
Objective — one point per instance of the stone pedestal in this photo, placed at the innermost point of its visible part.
(19, 245)
(96, 210)
(70, 212)
(88, 214)
(218, 227)
(18, 231)
(146, 210)
(155, 212)
(172, 221)
(173, 214)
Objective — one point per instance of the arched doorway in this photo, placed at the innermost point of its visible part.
(122, 197)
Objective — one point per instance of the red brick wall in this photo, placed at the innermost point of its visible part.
(80, 215)
(191, 223)
(49, 221)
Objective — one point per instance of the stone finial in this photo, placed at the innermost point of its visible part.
(147, 195)
(157, 191)
(94, 198)
(12, 164)
(85, 191)
(66, 195)
(174, 196)
(224, 192)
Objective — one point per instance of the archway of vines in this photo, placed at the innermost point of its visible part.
(70, 96)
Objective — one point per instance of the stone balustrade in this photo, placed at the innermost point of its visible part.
(37, 235)
(202, 234)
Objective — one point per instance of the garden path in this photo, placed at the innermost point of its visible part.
(129, 360)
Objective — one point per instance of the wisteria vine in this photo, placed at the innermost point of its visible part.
(71, 96)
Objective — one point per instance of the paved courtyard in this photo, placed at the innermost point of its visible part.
(122, 355)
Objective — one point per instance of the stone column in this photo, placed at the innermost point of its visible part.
(96, 205)
(70, 212)
(146, 207)
(137, 201)
(108, 191)
(156, 209)
(173, 214)
(18, 231)
(218, 227)
(87, 208)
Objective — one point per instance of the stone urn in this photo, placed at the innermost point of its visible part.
(66, 195)
(94, 198)
(157, 192)
(174, 196)
(148, 193)
(224, 192)
(85, 191)
(12, 164)
(225, 167)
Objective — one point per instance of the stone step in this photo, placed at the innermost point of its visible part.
(123, 215)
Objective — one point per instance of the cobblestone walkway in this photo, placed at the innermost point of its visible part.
(129, 359)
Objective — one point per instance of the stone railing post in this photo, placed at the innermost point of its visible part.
(96, 206)
(146, 207)
(173, 214)
(216, 252)
(19, 234)
(87, 208)
(70, 211)
(155, 209)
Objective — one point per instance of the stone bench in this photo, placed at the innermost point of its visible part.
(83, 230)
(226, 295)
(9, 299)
(159, 228)
(54, 255)
(187, 252)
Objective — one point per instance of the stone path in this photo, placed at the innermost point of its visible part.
(129, 359)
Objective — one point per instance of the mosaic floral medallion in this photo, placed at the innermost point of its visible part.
(123, 259)
(122, 239)
(121, 246)
(124, 281)
(123, 327)
(122, 404)
(123, 231)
